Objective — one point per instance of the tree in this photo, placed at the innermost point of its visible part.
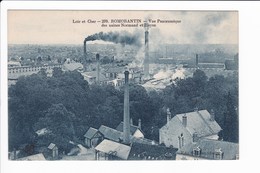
(57, 72)
(42, 72)
(59, 122)
(200, 81)
(230, 130)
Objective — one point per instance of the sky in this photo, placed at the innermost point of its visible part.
(57, 27)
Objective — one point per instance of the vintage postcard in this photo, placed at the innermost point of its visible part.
(122, 85)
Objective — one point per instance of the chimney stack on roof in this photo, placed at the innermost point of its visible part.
(184, 120)
(212, 115)
(126, 129)
(139, 123)
(169, 115)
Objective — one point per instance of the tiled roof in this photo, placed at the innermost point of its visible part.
(110, 133)
(117, 136)
(208, 147)
(197, 121)
(36, 157)
(115, 70)
(90, 133)
(132, 128)
(94, 74)
(144, 141)
(151, 152)
(72, 66)
(114, 148)
(211, 65)
(51, 146)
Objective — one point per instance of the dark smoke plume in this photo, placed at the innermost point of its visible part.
(124, 38)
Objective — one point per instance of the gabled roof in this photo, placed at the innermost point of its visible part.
(211, 65)
(133, 128)
(151, 152)
(51, 146)
(197, 121)
(208, 147)
(43, 131)
(36, 157)
(115, 70)
(110, 133)
(90, 133)
(117, 136)
(72, 66)
(144, 141)
(91, 74)
(114, 148)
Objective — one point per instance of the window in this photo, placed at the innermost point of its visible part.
(218, 154)
(196, 151)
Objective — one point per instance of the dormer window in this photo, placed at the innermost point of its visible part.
(196, 151)
(218, 154)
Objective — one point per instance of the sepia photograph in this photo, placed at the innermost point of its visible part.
(123, 85)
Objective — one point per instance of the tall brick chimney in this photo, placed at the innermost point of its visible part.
(126, 129)
(84, 48)
(197, 60)
(146, 56)
(98, 68)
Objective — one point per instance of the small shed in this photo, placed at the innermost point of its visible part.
(110, 150)
(93, 137)
(54, 149)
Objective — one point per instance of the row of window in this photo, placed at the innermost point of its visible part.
(217, 155)
(29, 69)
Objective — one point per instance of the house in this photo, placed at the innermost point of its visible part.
(208, 149)
(54, 150)
(111, 150)
(134, 130)
(141, 151)
(117, 136)
(91, 77)
(70, 65)
(110, 133)
(93, 137)
(182, 128)
(114, 72)
(36, 157)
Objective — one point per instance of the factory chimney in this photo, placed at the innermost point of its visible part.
(197, 60)
(98, 68)
(146, 56)
(126, 129)
(84, 48)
